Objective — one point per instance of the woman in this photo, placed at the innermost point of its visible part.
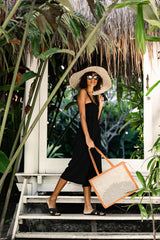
(90, 82)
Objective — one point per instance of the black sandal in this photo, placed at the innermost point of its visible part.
(95, 212)
(53, 212)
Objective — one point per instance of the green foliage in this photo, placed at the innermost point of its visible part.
(26, 76)
(141, 178)
(150, 185)
(152, 39)
(55, 152)
(4, 57)
(155, 23)
(35, 42)
(3, 7)
(52, 51)
(4, 33)
(75, 26)
(140, 33)
(125, 3)
(4, 161)
(151, 16)
(156, 146)
(151, 88)
(148, 189)
(134, 119)
(66, 3)
(143, 211)
(92, 44)
(100, 8)
(64, 115)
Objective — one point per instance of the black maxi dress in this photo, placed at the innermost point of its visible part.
(80, 168)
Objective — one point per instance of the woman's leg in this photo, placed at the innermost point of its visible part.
(87, 198)
(88, 209)
(51, 201)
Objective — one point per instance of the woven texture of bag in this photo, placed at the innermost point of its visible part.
(113, 184)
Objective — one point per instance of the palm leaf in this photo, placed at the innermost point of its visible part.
(36, 46)
(152, 39)
(99, 9)
(52, 51)
(62, 35)
(67, 4)
(69, 105)
(4, 33)
(140, 33)
(143, 211)
(92, 6)
(149, 11)
(141, 178)
(154, 22)
(151, 88)
(26, 76)
(92, 44)
(4, 161)
(3, 7)
(4, 57)
(130, 3)
(75, 26)
(42, 23)
(2, 42)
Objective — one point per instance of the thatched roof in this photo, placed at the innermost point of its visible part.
(118, 54)
(121, 57)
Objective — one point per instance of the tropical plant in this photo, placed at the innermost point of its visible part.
(55, 152)
(66, 122)
(150, 185)
(134, 119)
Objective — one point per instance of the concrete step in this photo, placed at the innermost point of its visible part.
(107, 217)
(87, 235)
(94, 199)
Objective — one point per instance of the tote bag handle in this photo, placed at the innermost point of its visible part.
(94, 164)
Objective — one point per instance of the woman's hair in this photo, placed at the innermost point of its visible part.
(83, 81)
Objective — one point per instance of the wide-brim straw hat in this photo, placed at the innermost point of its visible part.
(106, 81)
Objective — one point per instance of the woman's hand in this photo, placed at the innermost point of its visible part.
(101, 100)
(89, 142)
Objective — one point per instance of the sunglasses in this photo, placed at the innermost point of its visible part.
(91, 77)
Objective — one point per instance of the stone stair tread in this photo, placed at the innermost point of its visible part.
(85, 217)
(80, 199)
(87, 235)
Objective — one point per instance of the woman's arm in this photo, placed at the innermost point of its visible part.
(101, 102)
(82, 95)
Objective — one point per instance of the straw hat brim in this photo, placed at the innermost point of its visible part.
(106, 81)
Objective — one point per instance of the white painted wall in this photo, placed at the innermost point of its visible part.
(152, 102)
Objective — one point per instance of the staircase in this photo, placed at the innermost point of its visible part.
(93, 227)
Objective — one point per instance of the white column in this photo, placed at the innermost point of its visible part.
(43, 124)
(152, 102)
(31, 152)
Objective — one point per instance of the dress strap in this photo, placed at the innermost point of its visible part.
(89, 97)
